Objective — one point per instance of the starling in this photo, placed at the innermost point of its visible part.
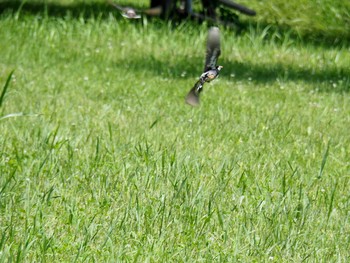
(211, 70)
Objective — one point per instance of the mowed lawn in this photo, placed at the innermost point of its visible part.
(102, 161)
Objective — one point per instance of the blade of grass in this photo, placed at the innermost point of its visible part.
(8, 181)
(18, 114)
(331, 203)
(5, 87)
(324, 160)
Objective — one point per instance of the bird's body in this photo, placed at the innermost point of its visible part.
(192, 97)
(210, 74)
(211, 70)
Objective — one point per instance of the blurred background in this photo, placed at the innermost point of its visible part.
(320, 20)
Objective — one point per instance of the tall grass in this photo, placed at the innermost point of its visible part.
(111, 165)
(4, 89)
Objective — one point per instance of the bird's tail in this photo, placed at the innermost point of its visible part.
(192, 97)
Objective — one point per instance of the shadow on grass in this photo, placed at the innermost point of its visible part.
(330, 38)
(269, 73)
(85, 10)
(328, 80)
(103, 10)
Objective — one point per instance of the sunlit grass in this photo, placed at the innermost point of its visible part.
(107, 162)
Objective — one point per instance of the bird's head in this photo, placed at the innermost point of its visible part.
(219, 68)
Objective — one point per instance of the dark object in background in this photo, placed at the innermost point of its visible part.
(238, 7)
(169, 8)
(183, 9)
(209, 7)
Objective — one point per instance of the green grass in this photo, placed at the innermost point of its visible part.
(101, 160)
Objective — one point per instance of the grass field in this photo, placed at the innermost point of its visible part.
(102, 161)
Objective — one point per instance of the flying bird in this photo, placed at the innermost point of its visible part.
(211, 70)
(127, 12)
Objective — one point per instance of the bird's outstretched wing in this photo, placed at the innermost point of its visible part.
(213, 49)
(192, 97)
